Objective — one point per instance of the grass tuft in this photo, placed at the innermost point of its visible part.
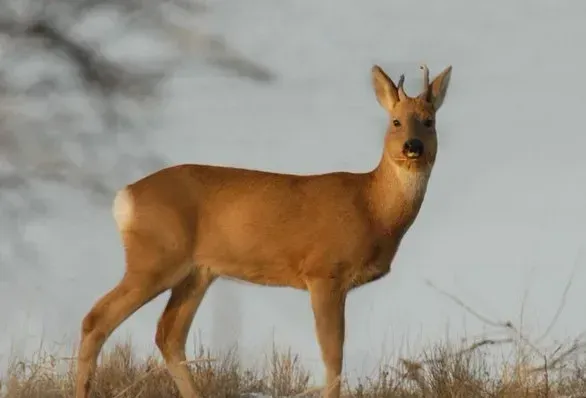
(442, 371)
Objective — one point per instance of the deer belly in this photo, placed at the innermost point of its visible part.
(255, 253)
(260, 273)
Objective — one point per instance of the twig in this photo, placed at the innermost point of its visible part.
(140, 380)
(546, 375)
(473, 347)
(573, 349)
(466, 307)
(562, 301)
(549, 363)
(524, 301)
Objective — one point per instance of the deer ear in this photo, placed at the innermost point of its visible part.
(385, 89)
(439, 87)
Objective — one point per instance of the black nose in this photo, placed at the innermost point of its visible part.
(413, 148)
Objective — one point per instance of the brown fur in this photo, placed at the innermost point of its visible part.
(184, 226)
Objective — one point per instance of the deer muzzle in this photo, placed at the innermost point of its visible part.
(413, 148)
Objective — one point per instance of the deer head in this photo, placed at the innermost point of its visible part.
(411, 138)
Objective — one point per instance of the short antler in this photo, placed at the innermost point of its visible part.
(402, 94)
(426, 90)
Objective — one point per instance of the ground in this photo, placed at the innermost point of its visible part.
(443, 370)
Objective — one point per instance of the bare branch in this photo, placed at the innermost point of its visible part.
(562, 304)
(466, 307)
(554, 361)
(46, 115)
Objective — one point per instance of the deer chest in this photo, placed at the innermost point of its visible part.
(376, 264)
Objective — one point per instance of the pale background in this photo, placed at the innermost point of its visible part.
(505, 209)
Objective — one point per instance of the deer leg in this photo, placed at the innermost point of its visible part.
(328, 303)
(107, 314)
(174, 326)
(150, 270)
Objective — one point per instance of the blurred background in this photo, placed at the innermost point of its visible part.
(95, 94)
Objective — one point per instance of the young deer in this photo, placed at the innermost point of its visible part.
(184, 226)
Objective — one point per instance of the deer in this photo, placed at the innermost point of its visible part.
(185, 226)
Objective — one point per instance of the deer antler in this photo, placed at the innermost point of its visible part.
(425, 70)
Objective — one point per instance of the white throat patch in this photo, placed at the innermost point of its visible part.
(413, 183)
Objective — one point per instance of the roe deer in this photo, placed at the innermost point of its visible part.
(184, 226)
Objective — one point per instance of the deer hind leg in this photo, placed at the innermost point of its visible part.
(110, 311)
(174, 326)
(149, 272)
(328, 303)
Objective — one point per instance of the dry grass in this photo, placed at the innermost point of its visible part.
(465, 369)
(442, 371)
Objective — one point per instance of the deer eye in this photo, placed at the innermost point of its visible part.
(396, 123)
(428, 122)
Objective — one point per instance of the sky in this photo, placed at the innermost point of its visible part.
(503, 222)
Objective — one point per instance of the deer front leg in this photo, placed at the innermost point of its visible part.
(328, 303)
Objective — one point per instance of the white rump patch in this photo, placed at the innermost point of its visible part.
(123, 209)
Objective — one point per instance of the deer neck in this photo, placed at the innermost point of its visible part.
(396, 194)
